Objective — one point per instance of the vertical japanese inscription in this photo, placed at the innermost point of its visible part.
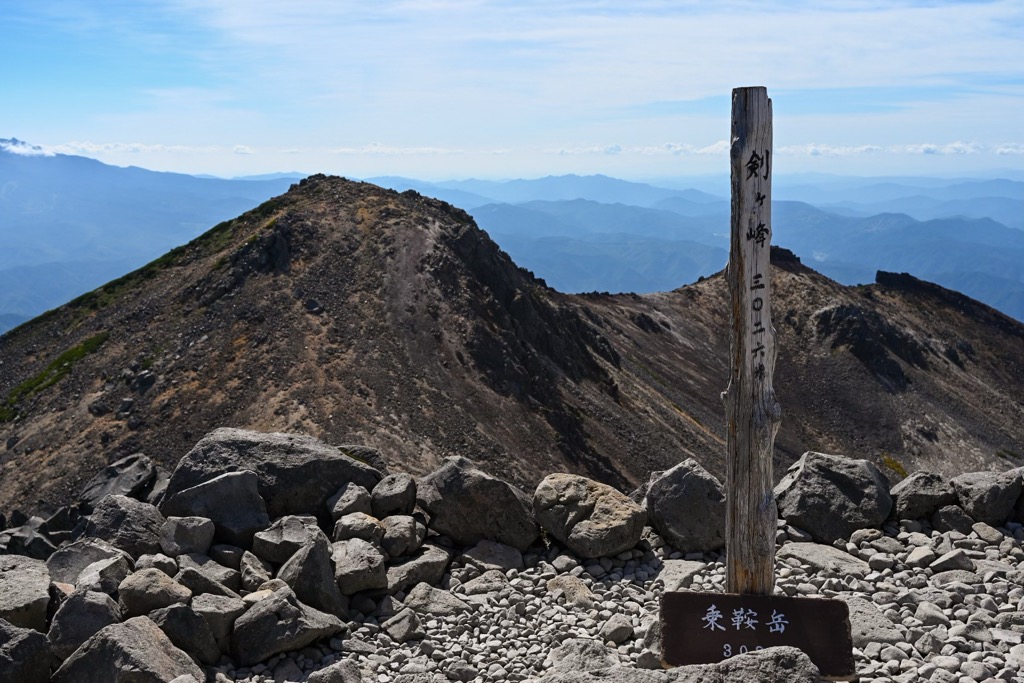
(751, 409)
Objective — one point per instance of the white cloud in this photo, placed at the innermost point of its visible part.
(1010, 148)
(243, 149)
(821, 150)
(948, 148)
(21, 148)
(377, 149)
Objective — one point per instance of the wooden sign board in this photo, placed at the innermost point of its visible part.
(706, 628)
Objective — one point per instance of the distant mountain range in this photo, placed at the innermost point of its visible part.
(71, 223)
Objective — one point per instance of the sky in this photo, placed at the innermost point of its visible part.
(445, 89)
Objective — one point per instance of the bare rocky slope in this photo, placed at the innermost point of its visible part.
(361, 315)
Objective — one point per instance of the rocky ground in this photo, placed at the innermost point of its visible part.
(277, 558)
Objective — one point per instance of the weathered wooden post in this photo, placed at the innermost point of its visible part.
(706, 627)
(752, 413)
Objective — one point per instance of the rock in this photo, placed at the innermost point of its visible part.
(426, 566)
(29, 541)
(825, 558)
(348, 499)
(184, 535)
(67, 563)
(159, 561)
(404, 626)
(310, 574)
(954, 559)
(126, 523)
(149, 589)
(358, 525)
(296, 473)
(771, 665)
(988, 496)
(231, 501)
(358, 566)
(952, 518)
(582, 654)
(136, 651)
(189, 631)
(686, 505)
(676, 575)
(920, 495)
(220, 612)
(625, 674)
(830, 496)
(284, 537)
(921, 556)
(401, 535)
(24, 655)
(590, 518)
(215, 571)
(617, 629)
(868, 624)
(395, 494)
(24, 591)
(104, 575)
(425, 599)
(254, 571)
(80, 617)
(277, 624)
(345, 671)
(227, 555)
(487, 555)
(199, 583)
(129, 476)
(468, 505)
(575, 591)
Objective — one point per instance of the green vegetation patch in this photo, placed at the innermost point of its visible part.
(894, 464)
(51, 374)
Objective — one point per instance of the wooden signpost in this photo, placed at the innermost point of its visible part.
(700, 628)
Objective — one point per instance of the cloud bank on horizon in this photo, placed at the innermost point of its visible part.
(456, 88)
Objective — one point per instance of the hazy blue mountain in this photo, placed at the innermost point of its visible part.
(598, 188)
(1009, 212)
(454, 196)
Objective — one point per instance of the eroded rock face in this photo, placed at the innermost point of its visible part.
(591, 518)
(830, 496)
(128, 524)
(686, 505)
(988, 496)
(24, 655)
(921, 494)
(295, 473)
(279, 623)
(24, 591)
(231, 501)
(79, 618)
(469, 505)
(129, 476)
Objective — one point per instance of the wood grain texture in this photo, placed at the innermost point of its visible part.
(752, 412)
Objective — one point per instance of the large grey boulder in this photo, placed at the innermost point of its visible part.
(348, 499)
(487, 555)
(284, 537)
(126, 523)
(24, 591)
(24, 655)
(403, 535)
(129, 476)
(771, 665)
(279, 623)
(220, 612)
(686, 505)
(468, 505)
(358, 525)
(426, 566)
(590, 518)
(149, 589)
(296, 473)
(868, 624)
(425, 599)
(189, 631)
(358, 565)
(988, 496)
(920, 495)
(232, 501)
(211, 569)
(824, 559)
(311, 575)
(254, 571)
(79, 618)
(184, 535)
(345, 671)
(831, 496)
(67, 563)
(104, 576)
(136, 651)
(582, 654)
(395, 494)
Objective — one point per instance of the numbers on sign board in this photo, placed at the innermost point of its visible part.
(727, 650)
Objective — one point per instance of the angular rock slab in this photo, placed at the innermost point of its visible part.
(395, 494)
(468, 505)
(150, 589)
(129, 476)
(67, 563)
(136, 651)
(825, 558)
(81, 617)
(279, 623)
(24, 591)
(592, 519)
(686, 505)
(126, 523)
(310, 574)
(189, 631)
(426, 566)
(284, 537)
(24, 655)
(831, 496)
(296, 473)
(231, 501)
(358, 565)
(920, 495)
(988, 496)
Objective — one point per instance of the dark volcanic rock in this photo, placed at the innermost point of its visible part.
(469, 505)
(279, 623)
(830, 496)
(295, 473)
(230, 500)
(81, 616)
(24, 655)
(310, 574)
(128, 524)
(920, 495)
(128, 476)
(686, 505)
(988, 496)
(189, 631)
(24, 591)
